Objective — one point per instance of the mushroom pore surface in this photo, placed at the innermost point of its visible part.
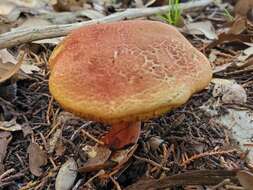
(126, 71)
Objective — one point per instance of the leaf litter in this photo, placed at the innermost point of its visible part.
(39, 141)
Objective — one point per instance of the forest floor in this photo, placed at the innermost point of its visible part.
(193, 147)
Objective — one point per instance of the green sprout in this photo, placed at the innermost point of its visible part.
(228, 15)
(173, 15)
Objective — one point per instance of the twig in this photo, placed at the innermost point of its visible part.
(6, 173)
(73, 137)
(152, 162)
(13, 38)
(115, 183)
(204, 154)
(221, 184)
(101, 172)
(198, 177)
(92, 137)
(13, 177)
(53, 129)
(49, 110)
(233, 187)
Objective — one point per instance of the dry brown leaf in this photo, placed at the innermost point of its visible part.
(66, 176)
(243, 7)
(37, 158)
(68, 5)
(98, 157)
(7, 70)
(238, 26)
(122, 156)
(245, 179)
(226, 38)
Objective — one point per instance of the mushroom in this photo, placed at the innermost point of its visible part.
(125, 72)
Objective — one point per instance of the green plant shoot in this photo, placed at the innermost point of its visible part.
(173, 16)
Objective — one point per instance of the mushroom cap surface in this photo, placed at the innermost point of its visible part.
(126, 71)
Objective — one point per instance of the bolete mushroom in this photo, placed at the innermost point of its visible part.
(124, 72)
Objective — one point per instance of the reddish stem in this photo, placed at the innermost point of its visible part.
(122, 134)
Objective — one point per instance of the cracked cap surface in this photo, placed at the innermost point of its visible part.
(126, 71)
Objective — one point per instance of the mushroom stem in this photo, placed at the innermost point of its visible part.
(122, 134)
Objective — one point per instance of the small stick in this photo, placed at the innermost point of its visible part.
(72, 138)
(233, 187)
(151, 162)
(115, 183)
(92, 137)
(20, 36)
(53, 129)
(53, 163)
(101, 172)
(13, 177)
(6, 173)
(49, 110)
(221, 184)
(204, 154)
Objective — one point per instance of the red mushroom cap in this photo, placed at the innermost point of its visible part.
(126, 71)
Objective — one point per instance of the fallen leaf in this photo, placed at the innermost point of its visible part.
(227, 38)
(7, 71)
(53, 141)
(7, 57)
(6, 8)
(11, 126)
(239, 122)
(122, 134)
(247, 53)
(32, 22)
(37, 158)
(11, 9)
(5, 138)
(229, 91)
(66, 176)
(242, 7)
(122, 156)
(98, 157)
(238, 26)
(246, 179)
(139, 3)
(201, 28)
(29, 3)
(155, 142)
(68, 5)
(29, 68)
